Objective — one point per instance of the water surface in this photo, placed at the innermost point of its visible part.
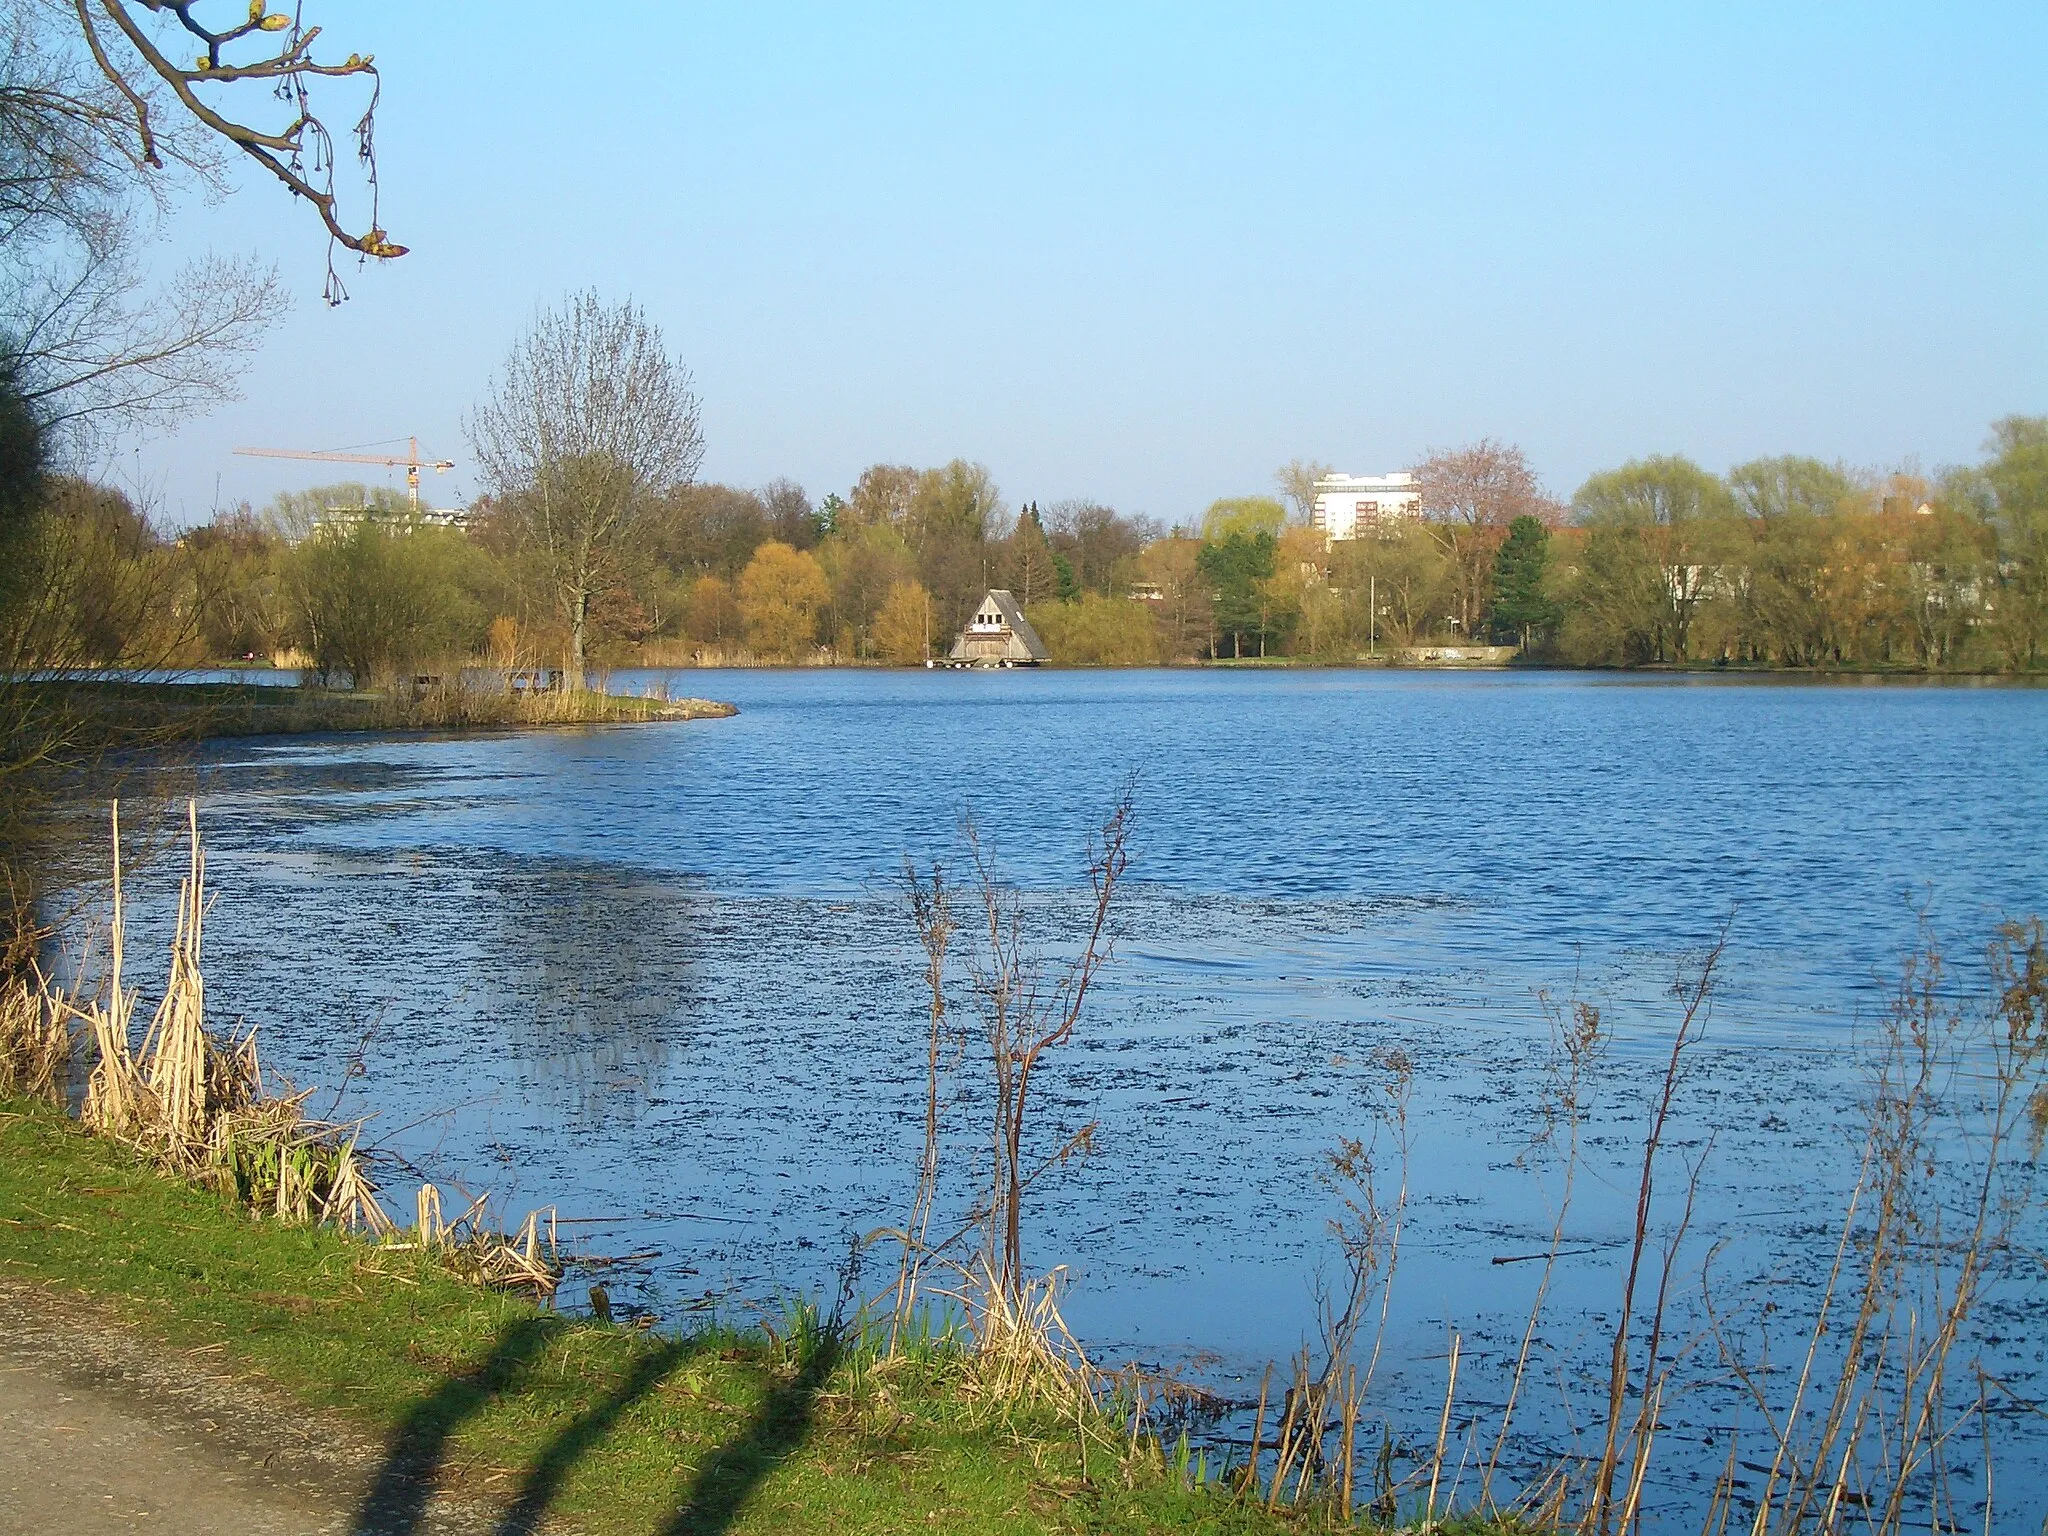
(661, 978)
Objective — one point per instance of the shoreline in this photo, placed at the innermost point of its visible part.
(1383, 664)
(379, 1380)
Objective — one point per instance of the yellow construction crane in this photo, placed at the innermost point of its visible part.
(410, 461)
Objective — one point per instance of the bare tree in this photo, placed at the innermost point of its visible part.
(95, 132)
(1027, 1012)
(98, 351)
(102, 117)
(791, 517)
(587, 426)
(1296, 480)
(1469, 496)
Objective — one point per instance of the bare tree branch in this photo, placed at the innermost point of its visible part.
(282, 152)
(97, 107)
(96, 352)
(589, 423)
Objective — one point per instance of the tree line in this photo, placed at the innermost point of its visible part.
(1782, 562)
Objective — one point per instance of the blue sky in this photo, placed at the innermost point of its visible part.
(1148, 253)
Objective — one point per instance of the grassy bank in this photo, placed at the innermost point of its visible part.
(616, 1430)
(194, 710)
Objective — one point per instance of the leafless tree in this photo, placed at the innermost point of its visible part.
(1469, 496)
(108, 107)
(1027, 1012)
(589, 423)
(1296, 480)
(99, 351)
(99, 122)
(1097, 541)
(791, 517)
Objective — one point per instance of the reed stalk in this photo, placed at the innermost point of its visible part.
(1576, 1042)
(1692, 1022)
(197, 1103)
(175, 1051)
(35, 1042)
(1443, 1430)
(1944, 1183)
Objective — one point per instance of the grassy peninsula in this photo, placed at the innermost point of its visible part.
(197, 710)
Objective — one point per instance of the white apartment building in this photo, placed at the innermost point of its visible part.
(1347, 505)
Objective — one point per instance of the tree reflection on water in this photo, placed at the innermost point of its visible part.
(591, 982)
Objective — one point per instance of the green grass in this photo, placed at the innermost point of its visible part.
(620, 1431)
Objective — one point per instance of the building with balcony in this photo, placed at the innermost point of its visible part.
(1348, 505)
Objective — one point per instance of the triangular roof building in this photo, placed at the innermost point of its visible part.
(998, 635)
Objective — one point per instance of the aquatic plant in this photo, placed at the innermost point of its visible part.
(1863, 1427)
(197, 1104)
(1867, 1431)
(1027, 1008)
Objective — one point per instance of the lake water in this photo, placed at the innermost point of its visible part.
(660, 977)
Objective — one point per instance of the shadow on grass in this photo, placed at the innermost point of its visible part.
(735, 1471)
(544, 1479)
(396, 1504)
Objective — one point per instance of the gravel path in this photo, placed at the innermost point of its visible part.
(101, 1432)
(82, 1461)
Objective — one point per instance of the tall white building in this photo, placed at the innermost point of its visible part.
(1347, 505)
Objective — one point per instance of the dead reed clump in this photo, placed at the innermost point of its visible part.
(525, 1261)
(197, 1105)
(1023, 1353)
(35, 1042)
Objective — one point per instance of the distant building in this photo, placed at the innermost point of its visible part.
(397, 519)
(998, 635)
(1347, 505)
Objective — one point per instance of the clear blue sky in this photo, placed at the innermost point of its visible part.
(1147, 253)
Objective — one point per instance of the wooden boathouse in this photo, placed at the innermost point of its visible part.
(998, 635)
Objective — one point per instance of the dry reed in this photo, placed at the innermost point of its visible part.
(526, 1260)
(1945, 1179)
(197, 1105)
(1863, 1435)
(35, 1043)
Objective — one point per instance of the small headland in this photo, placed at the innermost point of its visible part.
(200, 710)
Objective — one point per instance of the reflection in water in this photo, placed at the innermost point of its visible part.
(591, 979)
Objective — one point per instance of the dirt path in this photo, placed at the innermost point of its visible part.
(80, 1461)
(103, 1433)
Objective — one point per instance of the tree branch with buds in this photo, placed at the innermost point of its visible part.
(300, 154)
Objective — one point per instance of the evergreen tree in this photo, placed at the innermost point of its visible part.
(1521, 608)
(1236, 566)
(1028, 565)
(1066, 587)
